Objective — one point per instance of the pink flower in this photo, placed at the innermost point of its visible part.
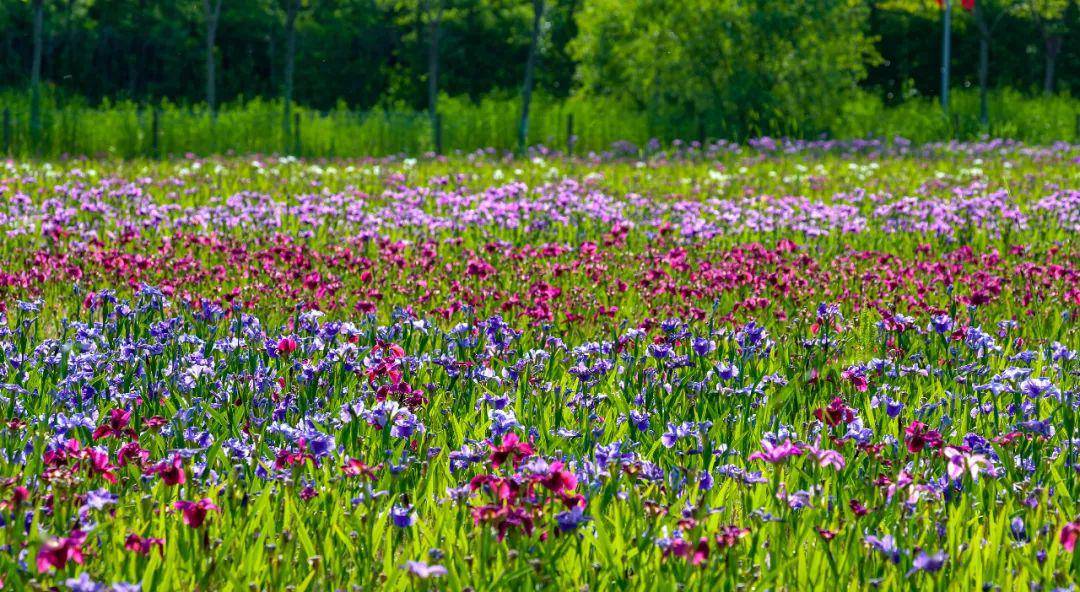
(356, 468)
(961, 462)
(57, 552)
(827, 458)
(195, 512)
(701, 552)
(286, 346)
(558, 479)
(117, 426)
(511, 448)
(131, 452)
(1070, 533)
(778, 453)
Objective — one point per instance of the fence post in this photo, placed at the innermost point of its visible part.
(155, 128)
(570, 134)
(296, 134)
(7, 131)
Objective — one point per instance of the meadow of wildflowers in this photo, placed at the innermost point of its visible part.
(780, 366)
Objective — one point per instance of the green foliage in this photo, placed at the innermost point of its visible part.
(1042, 120)
(737, 68)
(124, 129)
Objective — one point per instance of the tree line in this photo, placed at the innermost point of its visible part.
(727, 67)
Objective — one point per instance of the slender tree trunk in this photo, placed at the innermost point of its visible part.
(211, 13)
(946, 55)
(530, 67)
(272, 57)
(35, 73)
(1052, 45)
(434, 26)
(984, 79)
(69, 39)
(290, 62)
(984, 31)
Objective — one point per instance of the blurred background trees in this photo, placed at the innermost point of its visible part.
(716, 68)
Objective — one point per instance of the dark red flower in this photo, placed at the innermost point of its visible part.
(141, 545)
(729, 535)
(836, 413)
(195, 512)
(511, 448)
(116, 426)
(356, 468)
(918, 437)
(701, 552)
(558, 479)
(171, 472)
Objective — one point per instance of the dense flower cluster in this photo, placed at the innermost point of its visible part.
(764, 367)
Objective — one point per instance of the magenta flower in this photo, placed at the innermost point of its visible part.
(56, 552)
(776, 453)
(1070, 533)
(195, 512)
(171, 471)
(827, 458)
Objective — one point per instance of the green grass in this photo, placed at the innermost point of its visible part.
(125, 129)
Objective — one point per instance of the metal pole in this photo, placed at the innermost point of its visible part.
(946, 55)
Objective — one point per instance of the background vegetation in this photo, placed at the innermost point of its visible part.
(386, 76)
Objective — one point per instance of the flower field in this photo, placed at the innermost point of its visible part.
(781, 366)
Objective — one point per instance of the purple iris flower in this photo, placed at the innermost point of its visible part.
(571, 519)
(402, 516)
(83, 583)
(423, 570)
(928, 563)
(640, 419)
(885, 545)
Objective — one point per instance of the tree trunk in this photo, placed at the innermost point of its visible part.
(211, 13)
(69, 38)
(290, 59)
(272, 57)
(530, 67)
(1053, 48)
(984, 62)
(946, 56)
(434, 24)
(35, 73)
(984, 79)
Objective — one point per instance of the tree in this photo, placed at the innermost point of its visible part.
(434, 16)
(292, 11)
(530, 67)
(737, 67)
(1048, 16)
(38, 9)
(988, 15)
(211, 14)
